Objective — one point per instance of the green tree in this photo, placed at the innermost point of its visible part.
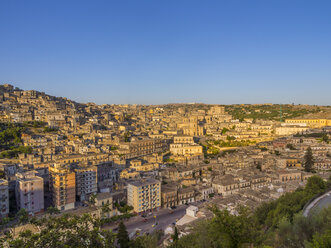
(322, 240)
(105, 209)
(22, 216)
(328, 183)
(315, 185)
(224, 130)
(325, 138)
(52, 210)
(309, 160)
(92, 199)
(147, 241)
(122, 236)
(82, 231)
(175, 238)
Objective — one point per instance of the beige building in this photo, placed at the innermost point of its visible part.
(142, 147)
(289, 130)
(169, 196)
(313, 123)
(290, 175)
(129, 173)
(216, 110)
(226, 186)
(104, 203)
(30, 192)
(183, 140)
(191, 127)
(185, 149)
(186, 195)
(4, 198)
(139, 166)
(144, 195)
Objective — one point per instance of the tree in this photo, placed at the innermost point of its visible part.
(65, 231)
(92, 199)
(322, 240)
(309, 160)
(105, 209)
(22, 216)
(146, 241)
(325, 138)
(259, 166)
(122, 236)
(175, 237)
(52, 210)
(290, 146)
(328, 183)
(315, 185)
(224, 130)
(223, 230)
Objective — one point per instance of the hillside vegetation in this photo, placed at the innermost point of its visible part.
(279, 223)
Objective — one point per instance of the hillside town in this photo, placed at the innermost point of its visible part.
(142, 162)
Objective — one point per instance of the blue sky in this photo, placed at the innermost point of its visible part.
(153, 52)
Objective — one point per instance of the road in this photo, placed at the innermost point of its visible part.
(164, 218)
(318, 204)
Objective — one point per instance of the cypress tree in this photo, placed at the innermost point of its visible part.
(309, 160)
(122, 236)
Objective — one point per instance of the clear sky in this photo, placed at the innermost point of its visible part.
(165, 51)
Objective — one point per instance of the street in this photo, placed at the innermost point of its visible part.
(164, 217)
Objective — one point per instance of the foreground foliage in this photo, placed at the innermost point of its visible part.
(65, 231)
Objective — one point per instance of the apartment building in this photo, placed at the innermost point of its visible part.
(62, 185)
(86, 182)
(144, 195)
(4, 198)
(30, 192)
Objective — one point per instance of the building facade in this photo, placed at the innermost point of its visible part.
(86, 182)
(4, 198)
(62, 183)
(30, 192)
(144, 195)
